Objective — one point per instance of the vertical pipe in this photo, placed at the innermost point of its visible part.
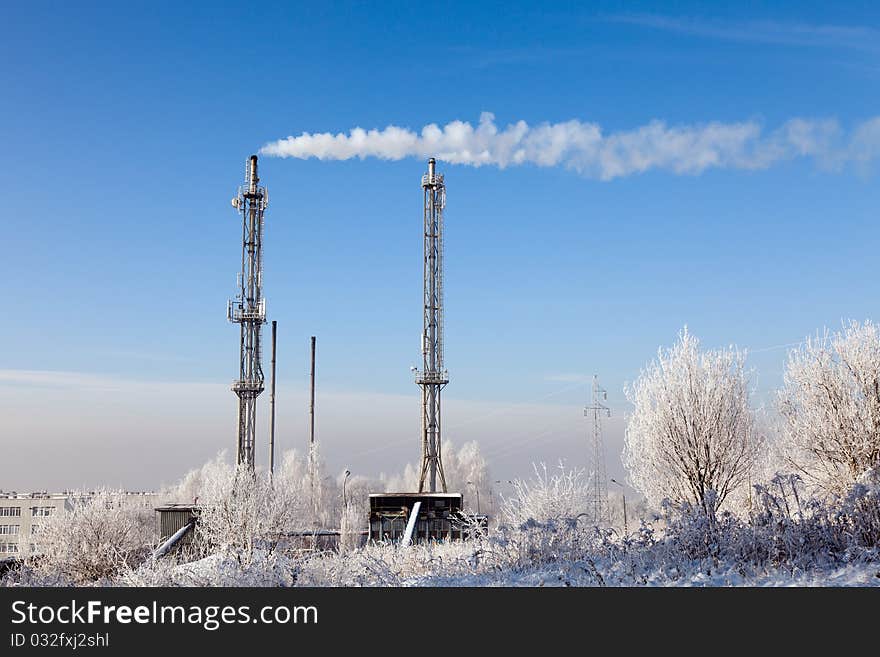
(313, 465)
(249, 314)
(312, 399)
(253, 179)
(432, 377)
(433, 344)
(272, 406)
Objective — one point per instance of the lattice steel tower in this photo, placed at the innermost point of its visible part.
(248, 309)
(600, 477)
(432, 377)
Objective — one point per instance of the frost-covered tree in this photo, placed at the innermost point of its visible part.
(830, 402)
(318, 495)
(242, 510)
(468, 473)
(690, 437)
(102, 534)
(460, 465)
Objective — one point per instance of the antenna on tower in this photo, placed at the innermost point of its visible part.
(248, 309)
(599, 476)
(432, 377)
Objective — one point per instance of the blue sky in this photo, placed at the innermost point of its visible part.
(125, 131)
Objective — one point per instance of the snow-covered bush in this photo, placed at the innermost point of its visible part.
(690, 438)
(392, 565)
(831, 405)
(547, 497)
(788, 532)
(264, 568)
(101, 535)
(801, 531)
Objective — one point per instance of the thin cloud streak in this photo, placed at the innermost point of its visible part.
(584, 147)
(770, 32)
(87, 381)
(57, 379)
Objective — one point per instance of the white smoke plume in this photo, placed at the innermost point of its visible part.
(582, 146)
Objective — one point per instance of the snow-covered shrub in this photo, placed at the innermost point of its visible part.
(844, 527)
(860, 512)
(788, 532)
(831, 405)
(690, 438)
(547, 519)
(264, 568)
(547, 497)
(101, 535)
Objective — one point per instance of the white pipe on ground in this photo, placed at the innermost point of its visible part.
(163, 549)
(411, 524)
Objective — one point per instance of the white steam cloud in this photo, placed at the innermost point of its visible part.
(582, 146)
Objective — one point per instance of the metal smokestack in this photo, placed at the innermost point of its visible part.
(272, 405)
(314, 484)
(253, 179)
(248, 309)
(312, 399)
(433, 377)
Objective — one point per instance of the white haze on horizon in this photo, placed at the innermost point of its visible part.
(68, 430)
(583, 146)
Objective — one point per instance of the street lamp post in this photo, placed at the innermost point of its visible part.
(344, 500)
(623, 493)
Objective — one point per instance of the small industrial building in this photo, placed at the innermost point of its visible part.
(432, 516)
(177, 522)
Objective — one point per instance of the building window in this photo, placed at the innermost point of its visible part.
(7, 530)
(41, 511)
(10, 511)
(35, 529)
(8, 547)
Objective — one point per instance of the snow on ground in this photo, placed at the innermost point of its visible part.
(574, 574)
(359, 569)
(221, 569)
